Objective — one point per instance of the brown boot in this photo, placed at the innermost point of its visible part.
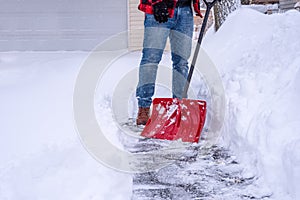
(143, 116)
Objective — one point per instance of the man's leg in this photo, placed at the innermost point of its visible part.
(155, 37)
(181, 44)
(147, 76)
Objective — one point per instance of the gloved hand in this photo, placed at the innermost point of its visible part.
(160, 12)
(196, 5)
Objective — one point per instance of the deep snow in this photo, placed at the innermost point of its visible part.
(258, 57)
(41, 155)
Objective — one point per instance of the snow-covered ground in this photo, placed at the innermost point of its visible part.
(258, 57)
(41, 155)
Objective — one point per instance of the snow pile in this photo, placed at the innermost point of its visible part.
(263, 8)
(258, 57)
(41, 156)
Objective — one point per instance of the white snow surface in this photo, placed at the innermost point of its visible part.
(41, 154)
(258, 58)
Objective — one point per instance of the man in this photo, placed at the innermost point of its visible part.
(163, 19)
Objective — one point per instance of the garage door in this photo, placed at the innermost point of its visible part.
(59, 24)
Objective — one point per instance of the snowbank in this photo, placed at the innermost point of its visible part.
(258, 57)
(262, 8)
(41, 156)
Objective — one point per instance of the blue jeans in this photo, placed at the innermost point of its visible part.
(179, 29)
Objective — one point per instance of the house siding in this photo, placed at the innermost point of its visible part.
(135, 25)
(59, 24)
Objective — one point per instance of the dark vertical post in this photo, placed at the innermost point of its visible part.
(209, 5)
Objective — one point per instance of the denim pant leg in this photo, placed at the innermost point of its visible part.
(147, 76)
(181, 44)
(154, 43)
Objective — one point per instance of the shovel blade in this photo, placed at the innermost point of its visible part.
(176, 119)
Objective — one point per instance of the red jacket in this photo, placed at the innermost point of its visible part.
(146, 6)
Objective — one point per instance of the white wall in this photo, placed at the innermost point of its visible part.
(59, 24)
(135, 25)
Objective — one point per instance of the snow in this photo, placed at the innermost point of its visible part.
(258, 58)
(263, 8)
(41, 155)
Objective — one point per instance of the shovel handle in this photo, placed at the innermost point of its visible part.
(209, 5)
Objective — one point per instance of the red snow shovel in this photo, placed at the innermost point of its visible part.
(179, 119)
